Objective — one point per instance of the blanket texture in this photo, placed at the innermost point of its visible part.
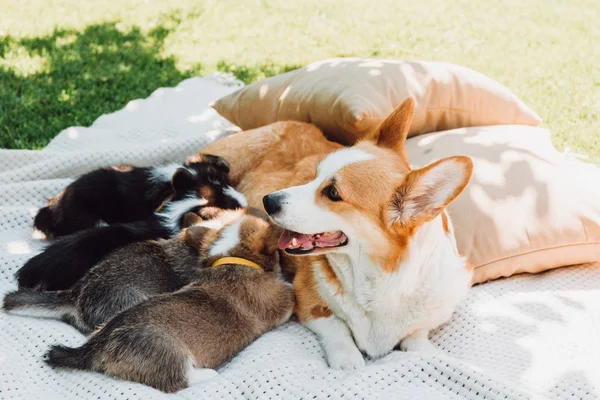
(523, 337)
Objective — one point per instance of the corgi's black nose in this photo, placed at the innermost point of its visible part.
(272, 203)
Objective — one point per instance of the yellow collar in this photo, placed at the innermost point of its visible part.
(236, 261)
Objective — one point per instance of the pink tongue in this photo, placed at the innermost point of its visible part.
(286, 238)
(331, 240)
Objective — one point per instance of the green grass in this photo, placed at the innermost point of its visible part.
(66, 62)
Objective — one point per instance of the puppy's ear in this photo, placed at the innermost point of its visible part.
(271, 239)
(426, 192)
(183, 179)
(195, 236)
(219, 162)
(190, 219)
(268, 231)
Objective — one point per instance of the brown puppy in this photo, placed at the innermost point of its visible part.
(173, 340)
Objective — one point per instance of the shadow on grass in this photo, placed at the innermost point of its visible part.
(84, 74)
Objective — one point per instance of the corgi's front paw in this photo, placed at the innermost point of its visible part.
(417, 344)
(340, 356)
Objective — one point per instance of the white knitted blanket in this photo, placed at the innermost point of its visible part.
(524, 337)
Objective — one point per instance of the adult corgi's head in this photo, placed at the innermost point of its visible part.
(367, 195)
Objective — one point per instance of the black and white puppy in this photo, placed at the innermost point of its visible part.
(65, 261)
(126, 194)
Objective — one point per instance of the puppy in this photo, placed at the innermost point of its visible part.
(126, 194)
(173, 340)
(126, 277)
(65, 261)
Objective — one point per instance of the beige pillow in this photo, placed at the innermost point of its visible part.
(348, 97)
(527, 209)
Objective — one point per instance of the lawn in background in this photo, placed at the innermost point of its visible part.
(64, 63)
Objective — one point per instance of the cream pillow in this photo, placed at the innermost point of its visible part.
(348, 97)
(527, 208)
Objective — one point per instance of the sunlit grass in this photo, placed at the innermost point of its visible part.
(65, 63)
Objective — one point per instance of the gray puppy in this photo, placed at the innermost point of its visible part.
(174, 340)
(126, 277)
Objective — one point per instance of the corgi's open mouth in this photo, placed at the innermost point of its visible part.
(300, 243)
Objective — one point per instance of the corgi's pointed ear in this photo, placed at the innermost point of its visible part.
(426, 192)
(393, 131)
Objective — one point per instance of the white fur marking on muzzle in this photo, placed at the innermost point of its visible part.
(237, 196)
(176, 209)
(230, 237)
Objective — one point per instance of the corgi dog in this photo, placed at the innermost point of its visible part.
(375, 259)
(126, 193)
(174, 340)
(66, 260)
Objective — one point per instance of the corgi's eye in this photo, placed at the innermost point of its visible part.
(332, 193)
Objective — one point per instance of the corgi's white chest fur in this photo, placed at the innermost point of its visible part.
(382, 308)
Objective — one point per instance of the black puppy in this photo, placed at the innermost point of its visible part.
(125, 194)
(65, 261)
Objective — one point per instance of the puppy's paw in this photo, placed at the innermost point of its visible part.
(417, 344)
(199, 375)
(40, 273)
(44, 222)
(340, 356)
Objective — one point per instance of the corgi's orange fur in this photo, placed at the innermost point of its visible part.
(381, 267)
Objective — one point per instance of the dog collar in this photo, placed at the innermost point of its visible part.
(235, 260)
